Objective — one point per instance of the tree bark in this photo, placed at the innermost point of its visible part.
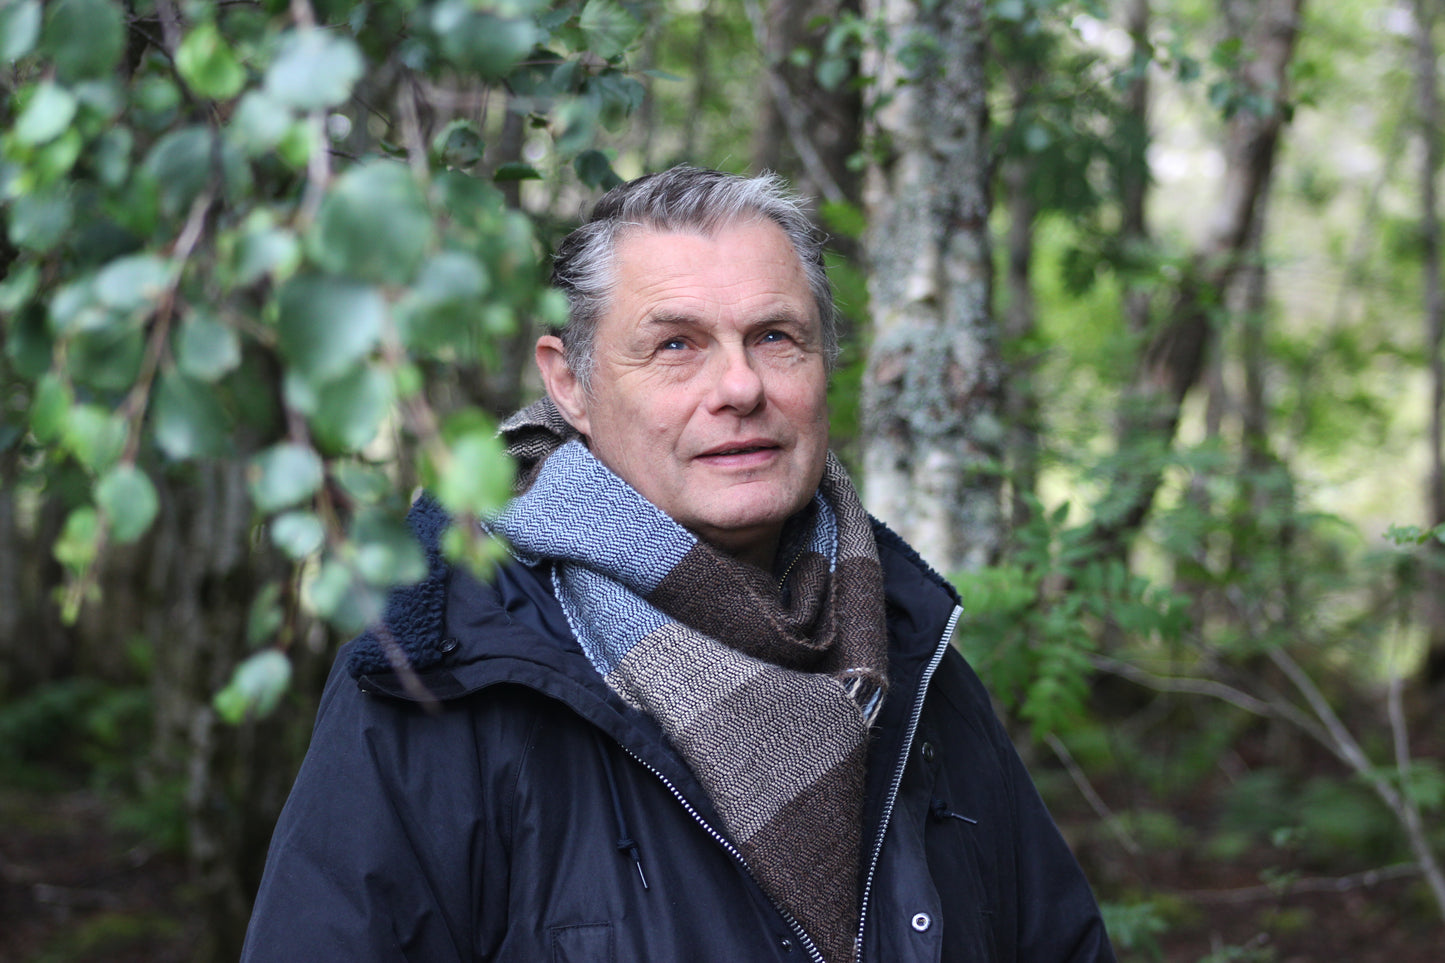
(1173, 359)
(1433, 588)
(932, 433)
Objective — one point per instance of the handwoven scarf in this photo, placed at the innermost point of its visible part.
(767, 691)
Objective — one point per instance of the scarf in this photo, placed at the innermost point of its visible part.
(766, 690)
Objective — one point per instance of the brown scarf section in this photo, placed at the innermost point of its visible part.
(766, 690)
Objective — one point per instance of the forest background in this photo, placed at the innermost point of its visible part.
(1144, 349)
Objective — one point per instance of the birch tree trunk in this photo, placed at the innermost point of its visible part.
(932, 434)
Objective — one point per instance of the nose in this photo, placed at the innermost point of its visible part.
(738, 386)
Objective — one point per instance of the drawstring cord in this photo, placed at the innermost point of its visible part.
(625, 843)
(940, 810)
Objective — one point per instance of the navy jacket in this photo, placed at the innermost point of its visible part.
(528, 813)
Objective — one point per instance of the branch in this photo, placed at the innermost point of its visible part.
(1314, 884)
(783, 99)
(1101, 808)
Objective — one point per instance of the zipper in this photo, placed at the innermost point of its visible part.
(803, 938)
(892, 796)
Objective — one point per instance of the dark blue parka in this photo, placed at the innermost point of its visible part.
(528, 813)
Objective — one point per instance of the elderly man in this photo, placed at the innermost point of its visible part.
(710, 712)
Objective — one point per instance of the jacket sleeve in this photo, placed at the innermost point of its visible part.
(380, 844)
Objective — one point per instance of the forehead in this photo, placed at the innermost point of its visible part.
(742, 266)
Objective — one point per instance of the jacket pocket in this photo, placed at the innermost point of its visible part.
(582, 943)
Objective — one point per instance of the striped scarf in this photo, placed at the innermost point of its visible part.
(766, 690)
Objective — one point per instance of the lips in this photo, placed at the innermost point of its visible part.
(749, 446)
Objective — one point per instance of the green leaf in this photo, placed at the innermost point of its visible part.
(478, 477)
(374, 224)
(327, 324)
(110, 156)
(266, 250)
(129, 501)
(363, 483)
(255, 688)
(132, 283)
(74, 308)
(338, 595)
(79, 540)
(106, 358)
(28, 343)
(18, 287)
(576, 123)
(46, 116)
(350, 410)
(387, 553)
(481, 42)
(206, 348)
(459, 144)
(259, 123)
(516, 171)
(595, 170)
(94, 435)
(50, 408)
(84, 38)
(314, 70)
(39, 221)
(831, 72)
(180, 164)
(610, 29)
(441, 308)
(207, 64)
(19, 29)
(298, 534)
(186, 420)
(265, 618)
(283, 475)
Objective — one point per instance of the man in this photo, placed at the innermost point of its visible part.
(711, 711)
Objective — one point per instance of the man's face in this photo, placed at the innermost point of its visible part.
(708, 390)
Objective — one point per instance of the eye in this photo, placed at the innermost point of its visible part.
(673, 344)
(775, 337)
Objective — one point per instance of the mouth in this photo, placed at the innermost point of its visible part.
(741, 449)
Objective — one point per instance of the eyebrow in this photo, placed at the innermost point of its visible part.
(672, 319)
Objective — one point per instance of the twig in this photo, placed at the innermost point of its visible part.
(402, 666)
(1414, 825)
(1081, 780)
(1314, 884)
(783, 99)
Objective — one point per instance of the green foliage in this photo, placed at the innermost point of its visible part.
(1135, 927)
(79, 724)
(231, 236)
(1034, 621)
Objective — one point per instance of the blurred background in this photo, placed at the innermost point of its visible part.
(1143, 348)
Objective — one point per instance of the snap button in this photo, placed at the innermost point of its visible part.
(786, 944)
(927, 751)
(449, 646)
(922, 921)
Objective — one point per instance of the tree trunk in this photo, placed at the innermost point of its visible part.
(1133, 170)
(932, 433)
(1434, 576)
(1174, 357)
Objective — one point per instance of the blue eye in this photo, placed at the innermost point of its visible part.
(773, 337)
(673, 344)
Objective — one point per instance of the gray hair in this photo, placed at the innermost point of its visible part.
(679, 199)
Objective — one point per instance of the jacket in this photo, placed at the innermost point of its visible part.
(520, 810)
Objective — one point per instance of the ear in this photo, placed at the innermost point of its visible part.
(562, 385)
